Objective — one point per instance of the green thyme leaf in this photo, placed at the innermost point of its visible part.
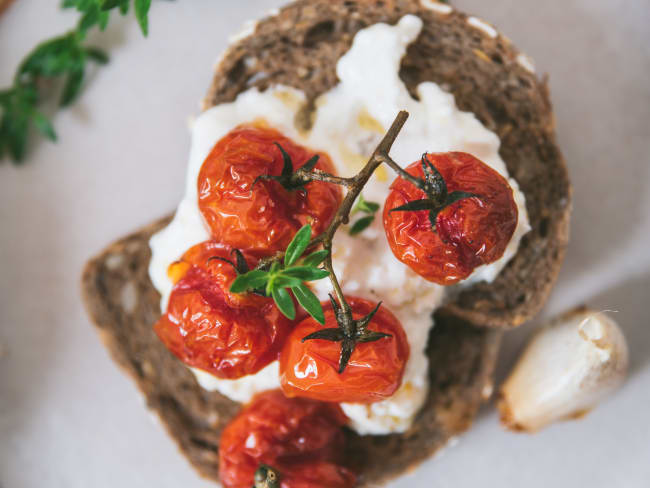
(365, 206)
(252, 280)
(309, 302)
(89, 19)
(141, 13)
(111, 4)
(43, 125)
(315, 258)
(284, 302)
(282, 280)
(63, 56)
(72, 87)
(298, 245)
(306, 273)
(97, 55)
(51, 58)
(362, 224)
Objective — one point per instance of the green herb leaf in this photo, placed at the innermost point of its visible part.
(62, 56)
(51, 58)
(309, 302)
(97, 55)
(43, 125)
(72, 87)
(362, 224)
(141, 13)
(306, 273)
(282, 280)
(365, 206)
(315, 258)
(252, 280)
(284, 302)
(88, 20)
(297, 245)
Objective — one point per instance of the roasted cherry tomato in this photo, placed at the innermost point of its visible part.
(207, 327)
(374, 371)
(265, 216)
(301, 439)
(468, 233)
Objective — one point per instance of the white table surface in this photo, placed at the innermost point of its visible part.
(69, 418)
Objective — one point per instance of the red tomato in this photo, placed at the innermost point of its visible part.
(300, 438)
(207, 327)
(263, 218)
(374, 371)
(317, 474)
(469, 233)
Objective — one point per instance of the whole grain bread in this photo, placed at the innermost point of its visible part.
(299, 46)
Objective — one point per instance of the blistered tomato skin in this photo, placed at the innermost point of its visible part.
(300, 438)
(207, 327)
(310, 368)
(263, 218)
(469, 233)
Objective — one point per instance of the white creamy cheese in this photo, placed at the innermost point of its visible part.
(349, 122)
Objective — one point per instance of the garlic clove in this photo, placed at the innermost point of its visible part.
(568, 367)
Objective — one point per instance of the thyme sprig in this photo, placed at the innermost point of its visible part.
(290, 274)
(65, 57)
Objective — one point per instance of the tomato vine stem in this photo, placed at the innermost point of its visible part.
(351, 331)
(379, 156)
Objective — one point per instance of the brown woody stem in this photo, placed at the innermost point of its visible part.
(380, 155)
(401, 171)
(318, 175)
(353, 331)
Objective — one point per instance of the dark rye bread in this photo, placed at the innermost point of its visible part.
(299, 47)
(123, 304)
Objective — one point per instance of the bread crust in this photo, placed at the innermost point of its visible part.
(299, 47)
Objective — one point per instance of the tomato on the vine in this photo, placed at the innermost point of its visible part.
(374, 371)
(470, 231)
(258, 214)
(299, 438)
(206, 326)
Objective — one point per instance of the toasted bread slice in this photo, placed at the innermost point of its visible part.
(299, 47)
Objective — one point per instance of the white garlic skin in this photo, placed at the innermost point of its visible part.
(568, 367)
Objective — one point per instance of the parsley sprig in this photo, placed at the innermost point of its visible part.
(291, 274)
(64, 57)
